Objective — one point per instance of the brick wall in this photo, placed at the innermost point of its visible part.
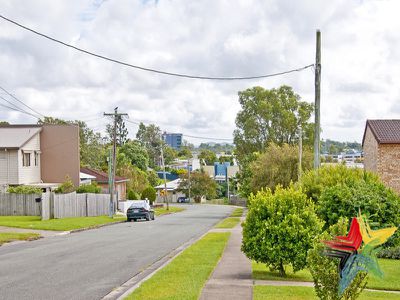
(389, 165)
(370, 149)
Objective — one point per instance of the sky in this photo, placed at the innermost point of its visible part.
(360, 60)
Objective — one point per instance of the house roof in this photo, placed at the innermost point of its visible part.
(14, 137)
(384, 131)
(102, 177)
(171, 185)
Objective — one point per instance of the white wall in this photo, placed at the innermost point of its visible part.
(9, 167)
(29, 174)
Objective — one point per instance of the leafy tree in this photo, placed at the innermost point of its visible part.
(225, 158)
(278, 165)
(207, 156)
(121, 131)
(185, 152)
(150, 194)
(136, 154)
(280, 228)
(138, 179)
(66, 187)
(4, 123)
(200, 185)
(169, 154)
(270, 116)
(153, 178)
(89, 188)
(150, 137)
(131, 195)
(53, 121)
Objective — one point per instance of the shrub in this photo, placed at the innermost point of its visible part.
(324, 269)
(24, 189)
(280, 228)
(66, 187)
(150, 194)
(392, 253)
(132, 195)
(89, 188)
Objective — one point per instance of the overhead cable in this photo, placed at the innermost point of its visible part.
(150, 69)
(15, 98)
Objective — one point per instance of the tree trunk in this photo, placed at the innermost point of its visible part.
(282, 272)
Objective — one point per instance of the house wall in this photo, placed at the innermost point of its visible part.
(120, 187)
(29, 174)
(370, 149)
(8, 166)
(389, 165)
(60, 153)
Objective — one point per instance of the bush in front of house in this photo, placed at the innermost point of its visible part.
(280, 228)
(324, 269)
(150, 194)
(24, 189)
(66, 187)
(391, 253)
(132, 195)
(89, 188)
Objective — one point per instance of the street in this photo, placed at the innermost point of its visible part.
(89, 264)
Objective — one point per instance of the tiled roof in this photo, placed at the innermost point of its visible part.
(14, 137)
(102, 177)
(384, 131)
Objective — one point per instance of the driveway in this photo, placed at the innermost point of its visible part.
(89, 264)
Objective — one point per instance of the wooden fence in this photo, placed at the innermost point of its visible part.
(55, 205)
(235, 200)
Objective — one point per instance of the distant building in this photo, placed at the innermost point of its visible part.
(174, 140)
(221, 170)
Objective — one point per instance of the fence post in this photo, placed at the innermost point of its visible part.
(86, 202)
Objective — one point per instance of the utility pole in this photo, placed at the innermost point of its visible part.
(114, 156)
(300, 151)
(317, 101)
(164, 175)
(189, 177)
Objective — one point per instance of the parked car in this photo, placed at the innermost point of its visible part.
(140, 209)
(183, 200)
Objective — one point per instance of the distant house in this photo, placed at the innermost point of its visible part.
(172, 191)
(219, 171)
(102, 179)
(381, 145)
(38, 154)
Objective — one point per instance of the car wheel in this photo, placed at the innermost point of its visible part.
(148, 217)
(134, 220)
(128, 220)
(152, 216)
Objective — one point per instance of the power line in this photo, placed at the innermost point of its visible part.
(15, 98)
(13, 105)
(18, 110)
(149, 69)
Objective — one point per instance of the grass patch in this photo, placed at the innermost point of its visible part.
(390, 281)
(186, 275)
(163, 210)
(238, 212)
(306, 293)
(33, 222)
(228, 223)
(6, 237)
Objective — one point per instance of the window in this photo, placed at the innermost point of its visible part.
(26, 159)
(36, 158)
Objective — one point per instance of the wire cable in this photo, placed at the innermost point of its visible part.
(149, 69)
(15, 98)
(21, 111)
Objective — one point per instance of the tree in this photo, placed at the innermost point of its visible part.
(280, 228)
(270, 116)
(136, 154)
(278, 165)
(185, 152)
(208, 157)
(200, 185)
(4, 123)
(169, 154)
(121, 131)
(150, 194)
(137, 178)
(150, 137)
(226, 158)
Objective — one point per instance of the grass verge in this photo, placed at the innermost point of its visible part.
(186, 275)
(6, 237)
(238, 212)
(163, 210)
(390, 281)
(32, 222)
(306, 293)
(228, 223)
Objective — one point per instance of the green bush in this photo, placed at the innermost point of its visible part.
(324, 269)
(66, 187)
(392, 253)
(280, 228)
(89, 188)
(24, 189)
(150, 194)
(132, 195)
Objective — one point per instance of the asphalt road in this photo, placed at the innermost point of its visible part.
(89, 264)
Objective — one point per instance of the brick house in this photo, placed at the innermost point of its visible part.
(381, 145)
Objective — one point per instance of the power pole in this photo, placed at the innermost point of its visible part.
(164, 175)
(189, 177)
(317, 101)
(114, 158)
(300, 151)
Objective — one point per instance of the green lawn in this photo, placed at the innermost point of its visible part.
(186, 275)
(306, 293)
(390, 281)
(163, 210)
(238, 212)
(32, 222)
(228, 223)
(6, 237)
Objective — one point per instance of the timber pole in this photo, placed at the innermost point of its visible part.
(317, 102)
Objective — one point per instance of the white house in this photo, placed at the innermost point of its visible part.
(20, 155)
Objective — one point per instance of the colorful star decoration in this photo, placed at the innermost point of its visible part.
(357, 250)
